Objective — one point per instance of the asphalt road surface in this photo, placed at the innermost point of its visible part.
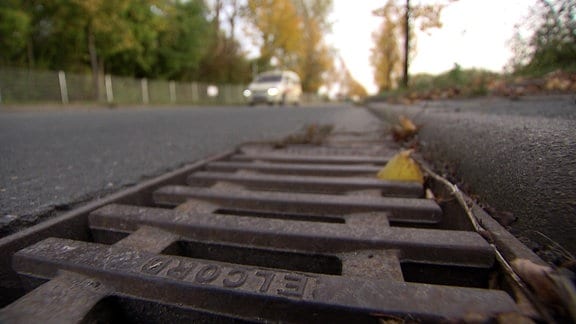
(516, 156)
(52, 160)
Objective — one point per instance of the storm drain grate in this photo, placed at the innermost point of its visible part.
(300, 233)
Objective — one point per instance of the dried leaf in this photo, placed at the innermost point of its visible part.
(538, 278)
(554, 287)
(513, 318)
(402, 168)
(407, 124)
(405, 130)
(566, 290)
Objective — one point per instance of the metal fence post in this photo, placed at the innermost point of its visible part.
(172, 86)
(63, 87)
(145, 94)
(109, 92)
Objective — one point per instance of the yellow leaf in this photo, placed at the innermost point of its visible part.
(407, 124)
(405, 131)
(402, 168)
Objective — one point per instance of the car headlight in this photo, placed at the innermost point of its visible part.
(273, 92)
(247, 93)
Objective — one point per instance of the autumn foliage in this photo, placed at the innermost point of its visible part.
(387, 58)
(188, 40)
(290, 33)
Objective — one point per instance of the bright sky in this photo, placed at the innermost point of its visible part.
(475, 33)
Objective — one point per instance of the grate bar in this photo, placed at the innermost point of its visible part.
(247, 292)
(451, 247)
(299, 158)
(267, 233)
(400, 209)
(332, 185)
(79, 294)
(295, 168)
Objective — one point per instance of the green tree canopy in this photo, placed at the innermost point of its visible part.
(145, 38)
(15, 27)
(553, 42)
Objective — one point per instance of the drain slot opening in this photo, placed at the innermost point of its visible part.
(447, 275)
(314, 263)
(280, 215)
(128, 310)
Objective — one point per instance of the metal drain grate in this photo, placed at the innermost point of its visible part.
(293, 234)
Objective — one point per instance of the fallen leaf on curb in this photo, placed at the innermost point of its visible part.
(564, 282)
(555, 287)
(407, 124)
(405, 130)
(538, 278)
(401, 167)
(513, 318)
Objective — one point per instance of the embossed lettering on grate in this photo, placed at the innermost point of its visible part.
(299, 233)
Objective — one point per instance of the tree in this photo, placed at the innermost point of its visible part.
(57, 37)
(385, 57)
(553, 42)
(74, 34)
(184, 42)
(101, 20)
(225, 61)
(401, 20)
(277, 30)
(15, 28)
(175, 39)
(292, 33)
(147, 20)
(343, 82)
(315, 55)
(425, 17)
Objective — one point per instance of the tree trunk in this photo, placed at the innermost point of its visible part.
(232, 19)
(406, 44)
(217, 12)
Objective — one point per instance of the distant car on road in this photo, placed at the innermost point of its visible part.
(274, 87)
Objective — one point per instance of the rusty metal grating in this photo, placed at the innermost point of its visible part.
(300, 233)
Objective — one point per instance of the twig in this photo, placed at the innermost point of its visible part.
(478, 228)
(567, 254)
(457, 194)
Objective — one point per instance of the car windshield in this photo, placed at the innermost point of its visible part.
(269, 78)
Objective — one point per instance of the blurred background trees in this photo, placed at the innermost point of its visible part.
(209, 40)
(198, 40)
(148, 38)
(290, 34)
(386, 56)
(389, 59)
(551, 41)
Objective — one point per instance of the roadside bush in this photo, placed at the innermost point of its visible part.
(552, 43)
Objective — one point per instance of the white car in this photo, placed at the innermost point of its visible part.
(274, 87)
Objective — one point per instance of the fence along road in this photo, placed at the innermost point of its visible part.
(35, 86)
